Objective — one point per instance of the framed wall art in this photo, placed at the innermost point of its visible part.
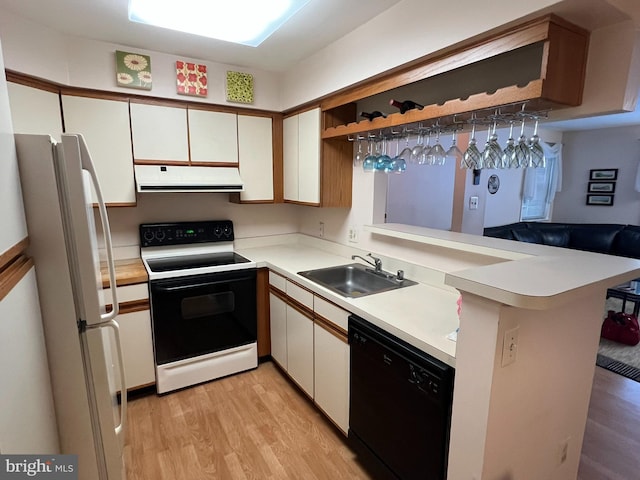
(602, 200)
(191, 79)
(603, 174)
(602, 187)
(239, 87)
(133, 70)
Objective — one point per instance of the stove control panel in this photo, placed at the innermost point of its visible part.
(183, 233)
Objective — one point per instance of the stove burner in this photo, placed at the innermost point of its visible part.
(186, 262)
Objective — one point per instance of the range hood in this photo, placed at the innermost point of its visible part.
(185, 178)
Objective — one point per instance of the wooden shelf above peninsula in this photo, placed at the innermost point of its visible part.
(542, 63)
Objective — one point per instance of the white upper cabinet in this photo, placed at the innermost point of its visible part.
(309, 156)
(159, 133)
(105, 127)
(34, 110)
(290, 157)
(301, 137)
(213, 137)
(255, 153)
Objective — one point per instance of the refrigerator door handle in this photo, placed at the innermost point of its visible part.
(87, 164)
(119, 429)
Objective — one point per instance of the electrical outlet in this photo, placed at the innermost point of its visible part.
(353, 234)
(473, 202)
(321, 230)
(510, 346)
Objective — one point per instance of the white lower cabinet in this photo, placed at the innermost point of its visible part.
(137, 348)
(331, 375)
(313, 351)
(278, 314)
(300, 349)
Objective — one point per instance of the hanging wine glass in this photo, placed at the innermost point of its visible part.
(437, 153)
(406, 152)
(416, 151)
(536, 152)
(510, 146)
(360, 155)
(521, 156)
(383, 162)
(454, 152)
(397, 164)
(369, 163)
(426, 158)
(492, 154)
(472, 158)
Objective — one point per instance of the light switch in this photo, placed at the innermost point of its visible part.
(473, 202)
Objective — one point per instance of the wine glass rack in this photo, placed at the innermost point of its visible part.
(553, 51)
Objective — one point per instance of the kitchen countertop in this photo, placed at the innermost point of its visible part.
(128, 272)
(421, 315)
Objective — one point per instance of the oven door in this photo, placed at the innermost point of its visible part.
(200, 314)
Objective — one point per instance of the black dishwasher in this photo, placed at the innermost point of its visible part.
(400, 404)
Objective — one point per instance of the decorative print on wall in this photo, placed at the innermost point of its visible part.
(603, 200)
(603, 174)
(133, 70)
(239, 87)
(191, 79)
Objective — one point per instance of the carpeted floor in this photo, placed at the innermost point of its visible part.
(619, 358)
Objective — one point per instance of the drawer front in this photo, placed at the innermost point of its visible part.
(128, 293)
(305, 297)
(331, 312)
(277, 281)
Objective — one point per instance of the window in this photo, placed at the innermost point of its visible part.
(540, 186)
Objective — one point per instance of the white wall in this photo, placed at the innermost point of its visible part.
(39, 51)
(603, 148)
(252, 220)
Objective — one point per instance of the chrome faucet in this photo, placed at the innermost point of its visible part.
(377, 263)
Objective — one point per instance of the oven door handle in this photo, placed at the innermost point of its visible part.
(180, 288)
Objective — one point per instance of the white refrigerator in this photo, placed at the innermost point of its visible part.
(82, 338)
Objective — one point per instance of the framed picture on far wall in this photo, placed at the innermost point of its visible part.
(602, 187)
(602, 175)
(603, 200)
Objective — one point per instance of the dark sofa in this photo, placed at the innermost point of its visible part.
(612, 239)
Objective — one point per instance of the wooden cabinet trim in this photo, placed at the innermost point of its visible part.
(13, 252)
(331, 327)
(28, 81)
(13, 273)
(131, 306)
(303, 309)
(263, 313)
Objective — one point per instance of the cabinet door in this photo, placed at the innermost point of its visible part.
(35, 111)
(309, 156)
(213, 137)
(159, 133)
(331, 379)
(255, 153)
(290, 157)
(137, 348)
(300, 349)
(105, 127)
(278, 320)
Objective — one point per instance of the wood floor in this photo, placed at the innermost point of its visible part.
(256, 425)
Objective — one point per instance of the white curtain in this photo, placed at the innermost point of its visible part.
(529, 186)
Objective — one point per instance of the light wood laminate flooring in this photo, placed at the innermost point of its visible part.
(257, 425)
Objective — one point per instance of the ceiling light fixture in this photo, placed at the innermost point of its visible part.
(248, 22)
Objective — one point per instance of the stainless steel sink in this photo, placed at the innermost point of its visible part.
(355, 280)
